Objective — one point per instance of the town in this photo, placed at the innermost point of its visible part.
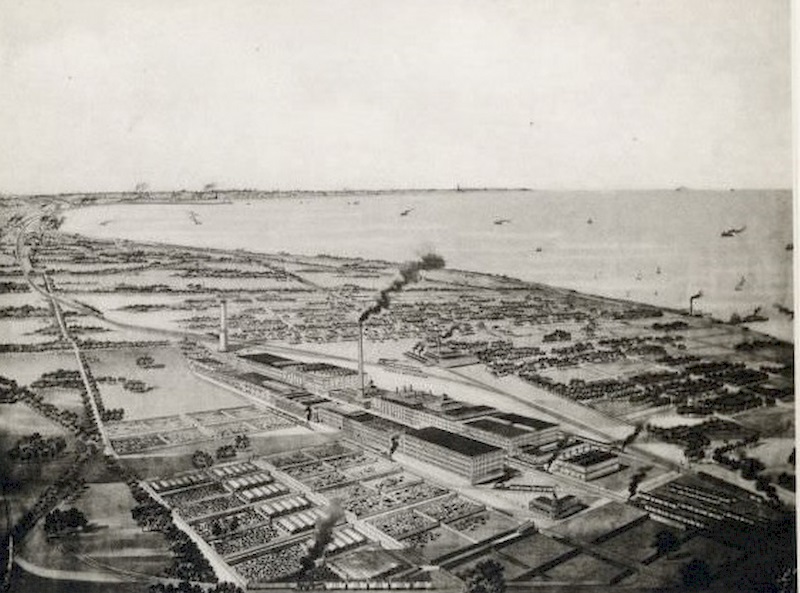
(262, 421)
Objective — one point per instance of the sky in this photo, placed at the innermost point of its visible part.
(102, 95)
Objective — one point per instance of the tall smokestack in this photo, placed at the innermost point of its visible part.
(361, 356)
(692, 299)
(223, 326)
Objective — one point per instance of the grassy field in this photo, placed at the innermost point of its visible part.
(175, 389)
(116, 544)
(511, 568)
(584, 568)
(535, 550)
(365, 563)
(485, 525)
(777, 421)
(592, 524)
(637, 542)
(436, 542)
(25, 368)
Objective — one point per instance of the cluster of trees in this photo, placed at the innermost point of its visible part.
(750, 468)
(486, 577)
(59, 378)
(68, 483)
(242, 442)
(188, 562)
(665, 542)
(66, 418)
(23, 312)
(59, 522)
(35, 447)
(225, 525)
(187, 587)
(9, 390)
(112, 414)
(203, 459)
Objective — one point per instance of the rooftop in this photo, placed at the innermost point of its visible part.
(533, 423)
(267, 358)
(592, 457)
(502, 429)
(378, 422)
(323, 369)
(452, 441)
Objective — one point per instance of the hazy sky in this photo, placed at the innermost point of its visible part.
(102, 94)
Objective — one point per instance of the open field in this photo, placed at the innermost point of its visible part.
(175, 389)
(115, 542)
(597, 522)
(584, 568)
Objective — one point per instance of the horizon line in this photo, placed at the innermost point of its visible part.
(346, 190)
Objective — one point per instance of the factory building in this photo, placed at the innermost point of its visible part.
(316, 377)
(466, 457)
(301, 404)
(556, 508)
(372, 431)
(333, 414)
(511, 432)
(587, 465)
(420, 409)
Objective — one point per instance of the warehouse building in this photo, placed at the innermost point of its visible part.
(588, 465)
(419, 409)
(317, 377)
(556, 508)
(511, 432)
(466, 457)
(372, 431)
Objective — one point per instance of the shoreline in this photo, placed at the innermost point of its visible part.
(60, 208)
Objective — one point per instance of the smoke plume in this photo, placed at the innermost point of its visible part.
(632, 437)
(449, 332)
(409, 273)
(323, 535)
(696, 296)
(636, 479)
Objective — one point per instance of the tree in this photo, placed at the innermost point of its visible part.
(786, 481)
(201, 459)
(226, 452)
(666, 542)
(696, 574)
(487, 577)
(242, 442)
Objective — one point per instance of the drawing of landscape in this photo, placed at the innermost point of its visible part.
(275, 420)
(465, 296)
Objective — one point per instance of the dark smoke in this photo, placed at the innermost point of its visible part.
(409, 273)
(394, 445)
(696, 295)
(322, 537)
(632, 437)
(449, 332)
(636, 479)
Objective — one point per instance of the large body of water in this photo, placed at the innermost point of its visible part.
(653, 247)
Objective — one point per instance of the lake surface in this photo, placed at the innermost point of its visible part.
(653, 247)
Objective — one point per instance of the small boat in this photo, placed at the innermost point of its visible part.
(590, 221)
(789, 247)
(406, 212)
(740, 284)
(500, 221)
(733, 232)
(658, 270)
(538, 250)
